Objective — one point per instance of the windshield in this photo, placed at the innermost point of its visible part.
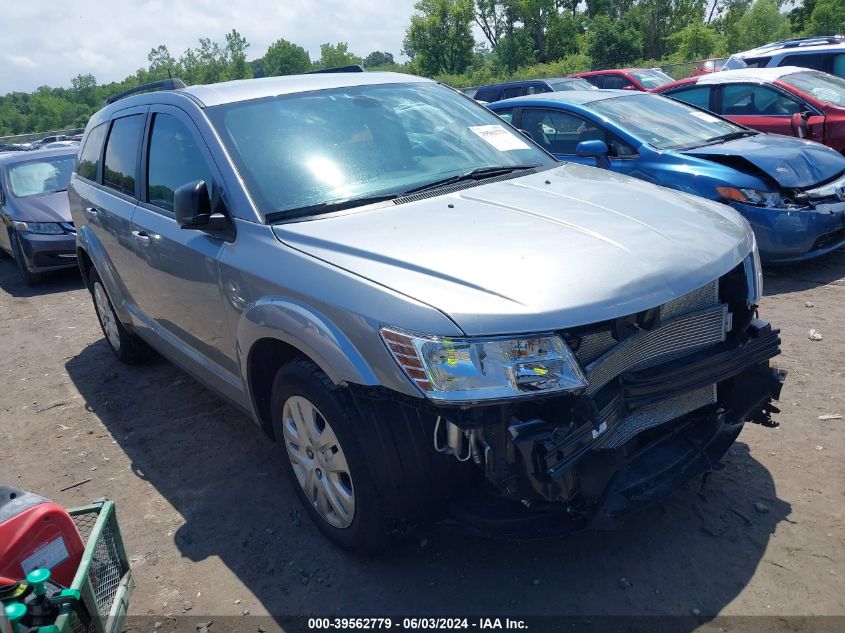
(652, 78)
(664, 123)
(572, 84)
(822, 86)
(362, 142)
(37, 177)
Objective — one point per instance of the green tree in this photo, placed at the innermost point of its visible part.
(612, 43)
(439, 39)
(162, 63)
(377, 58)
(826, 18)
(695, 41)
(565, 35)
(337, 55)
(235, 55)
(762, 23)
(285, 58)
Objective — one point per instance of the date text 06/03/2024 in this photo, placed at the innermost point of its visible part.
(415, 624)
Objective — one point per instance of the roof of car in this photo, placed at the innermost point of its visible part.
(765, 75)
(798, 45)
(577, 97)
(7, 158)
(245, 89)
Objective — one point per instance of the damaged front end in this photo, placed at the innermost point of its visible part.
(668, 391)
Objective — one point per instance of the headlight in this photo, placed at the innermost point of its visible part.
(456, 370)
(752, 196)
(42, 228)
(753, 269)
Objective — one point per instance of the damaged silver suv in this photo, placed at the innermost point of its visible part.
(427, 312)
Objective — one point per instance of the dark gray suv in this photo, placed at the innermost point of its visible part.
(424, 309)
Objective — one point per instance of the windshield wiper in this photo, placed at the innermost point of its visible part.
(729, 137)
(473, 174)
(326, 207)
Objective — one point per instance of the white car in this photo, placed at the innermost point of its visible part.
(819, 53)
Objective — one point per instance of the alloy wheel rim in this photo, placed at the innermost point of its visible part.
(318, 461)
(107, 318)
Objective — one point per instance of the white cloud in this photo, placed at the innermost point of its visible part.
(111, 40)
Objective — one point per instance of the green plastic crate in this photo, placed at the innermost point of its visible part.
(104, 579)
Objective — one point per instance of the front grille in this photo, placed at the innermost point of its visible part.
(674, 339)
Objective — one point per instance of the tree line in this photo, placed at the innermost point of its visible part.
(520, 38)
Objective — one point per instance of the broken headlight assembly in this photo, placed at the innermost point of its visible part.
(757, 197)
(468, 369)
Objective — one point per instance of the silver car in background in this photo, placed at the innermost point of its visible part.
(424, 309)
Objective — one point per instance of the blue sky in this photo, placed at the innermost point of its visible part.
(47, 42)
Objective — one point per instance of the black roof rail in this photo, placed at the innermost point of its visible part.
(164, 84)
(352, 68)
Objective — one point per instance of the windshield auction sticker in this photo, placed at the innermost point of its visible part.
(499, 137)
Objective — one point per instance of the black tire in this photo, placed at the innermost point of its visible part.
(29, 278)
(125, 345)
(369, 526)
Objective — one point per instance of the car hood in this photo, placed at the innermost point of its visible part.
(791, 162)
(561, 248)
(51, 207)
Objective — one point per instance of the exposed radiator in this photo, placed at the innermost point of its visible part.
(671, 340)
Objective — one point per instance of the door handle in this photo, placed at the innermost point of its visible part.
(92, 211)
(142, 238)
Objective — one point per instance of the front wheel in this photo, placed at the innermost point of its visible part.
(318, 429)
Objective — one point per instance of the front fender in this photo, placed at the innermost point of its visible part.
(307, 330)
(88, 243)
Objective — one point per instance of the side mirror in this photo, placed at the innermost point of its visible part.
(596, 149)
(799, 124)
(192, 207)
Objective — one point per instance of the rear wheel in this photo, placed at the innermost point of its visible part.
(29, 278)
(126, 346)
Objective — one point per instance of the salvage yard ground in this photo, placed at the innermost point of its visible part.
(213, 527)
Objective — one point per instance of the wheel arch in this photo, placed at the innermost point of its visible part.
(275, 331)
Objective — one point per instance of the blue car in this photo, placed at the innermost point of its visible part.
(791, 191)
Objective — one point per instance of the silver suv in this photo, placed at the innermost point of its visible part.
(425, 310)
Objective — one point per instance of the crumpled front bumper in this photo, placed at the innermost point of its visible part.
(790, 235)
(553, 477)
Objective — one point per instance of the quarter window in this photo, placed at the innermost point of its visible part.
(122, 154)
(698, 96)
(174, 160)
(753, 100)
(89, 157)
(815, 61)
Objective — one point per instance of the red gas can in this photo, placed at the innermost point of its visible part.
(35, 532)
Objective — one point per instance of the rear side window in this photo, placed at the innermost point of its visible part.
(514, 91)
(697, 96)
(89, 157)
(122, 154)
(174, 160)
(816, 61)
(487, 94)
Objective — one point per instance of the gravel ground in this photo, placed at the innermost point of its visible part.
(213, 527)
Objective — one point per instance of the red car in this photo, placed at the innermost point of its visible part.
(707, 66)
(785, 100)
(643, 79)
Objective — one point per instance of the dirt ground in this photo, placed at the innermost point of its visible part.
(213, 527)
